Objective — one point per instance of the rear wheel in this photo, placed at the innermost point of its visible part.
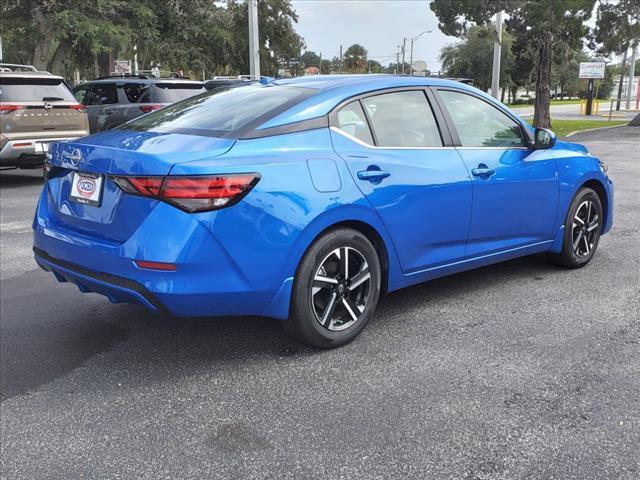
(582, 230)
(336, 289)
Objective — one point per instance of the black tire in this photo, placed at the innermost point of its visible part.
(581, 236)
(311, 299)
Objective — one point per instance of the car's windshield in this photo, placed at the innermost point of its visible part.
(221, 114)
(19, 89)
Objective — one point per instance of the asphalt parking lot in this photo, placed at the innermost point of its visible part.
(517, 371)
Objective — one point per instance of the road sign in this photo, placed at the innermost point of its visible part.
(122, 66)
(592, 69)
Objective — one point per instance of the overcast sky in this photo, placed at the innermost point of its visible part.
(378, 25)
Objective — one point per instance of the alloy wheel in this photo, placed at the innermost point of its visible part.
(340, 288)
(584, 228)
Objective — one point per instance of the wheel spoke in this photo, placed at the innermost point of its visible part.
(344, 262)
(580, 221)
(594, 224)
(359, 278)
(327, 315)
(576, 242)
(320, 281)
(586, 244)
(589, 211)
(352, 308)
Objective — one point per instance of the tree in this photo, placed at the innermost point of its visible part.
(325, 67)
(310, 59)
(191, 35)
(355, 59)
(617, 28)
(473, 57)
(542, 23)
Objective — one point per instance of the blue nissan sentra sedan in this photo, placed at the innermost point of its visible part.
(307, 199)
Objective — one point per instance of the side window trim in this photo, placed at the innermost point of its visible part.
(432, 101)
(454, 132)
(368, 120)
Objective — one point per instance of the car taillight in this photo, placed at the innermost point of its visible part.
(79, 107)
(192, 194)
(8, 107)
(150, 107)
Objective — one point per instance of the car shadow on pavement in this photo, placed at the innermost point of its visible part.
(165, 347)
(144, 348)
(20, 178)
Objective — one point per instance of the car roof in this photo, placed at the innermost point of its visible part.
(141, 80)
(334, 89)
(38, 74)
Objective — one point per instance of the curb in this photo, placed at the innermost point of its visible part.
(593, 129)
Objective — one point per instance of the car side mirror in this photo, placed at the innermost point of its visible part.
(544, 138)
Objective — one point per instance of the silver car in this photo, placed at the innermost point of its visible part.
(36, 108)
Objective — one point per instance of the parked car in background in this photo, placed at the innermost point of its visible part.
(113, 100)
(307, 199)
(36, 108)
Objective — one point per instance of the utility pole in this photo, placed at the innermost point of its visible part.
(320, 65)
(632, 73)
(397, 60)
(497, 54)
(404, 45)
(254, 42)
(340, 58)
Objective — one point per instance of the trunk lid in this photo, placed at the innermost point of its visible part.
(118, 152)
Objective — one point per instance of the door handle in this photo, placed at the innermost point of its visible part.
(372, 175)
(483, 171)
(108, 111)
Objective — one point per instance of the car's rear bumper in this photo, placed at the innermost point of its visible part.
(116, 288)
(27, 151)
(206, 280)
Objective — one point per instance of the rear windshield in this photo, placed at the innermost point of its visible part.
(174, 92)
(17, 89)
(221, 114)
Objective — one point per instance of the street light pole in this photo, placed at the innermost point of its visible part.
(404, 47)
(254, 42)
(497, 53)
(413, 39)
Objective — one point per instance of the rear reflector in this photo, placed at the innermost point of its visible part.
(81, 108)
(150, 107)
(7, 107)
(192, 194)
(165, 267)
(24, 144)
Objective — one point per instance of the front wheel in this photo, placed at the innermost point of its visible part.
(336, 289)
(582, 230)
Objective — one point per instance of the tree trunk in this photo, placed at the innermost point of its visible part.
(622, 72)
(40, 55)
(542, 116)
(502, 95)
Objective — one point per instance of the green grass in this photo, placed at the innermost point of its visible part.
(563, 127)
(553, 102)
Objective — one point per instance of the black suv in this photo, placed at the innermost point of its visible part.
(114, 100)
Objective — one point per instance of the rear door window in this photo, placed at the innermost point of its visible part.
(102, 94)
(134, 91)
(403, 119)
(29, 89)
(171, 92)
